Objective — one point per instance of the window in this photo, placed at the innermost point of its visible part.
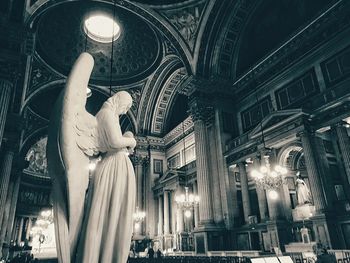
(294, 93)
(174, 161)
(157, 166)
(190, 154)
(336, 68)
(253, 115)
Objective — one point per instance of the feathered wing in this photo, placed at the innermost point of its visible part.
(72, 137)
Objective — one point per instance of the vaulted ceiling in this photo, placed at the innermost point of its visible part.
(161, 45)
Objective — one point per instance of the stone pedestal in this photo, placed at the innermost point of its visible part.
(302, 212)
(208, 238)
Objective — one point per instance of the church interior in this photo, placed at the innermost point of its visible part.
(241, 114)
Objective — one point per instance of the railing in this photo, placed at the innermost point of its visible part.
(194, 259)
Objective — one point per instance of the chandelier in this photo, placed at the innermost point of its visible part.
(187, 202)
(265, 176)
(138, 216)
(42, 223)
(268, 178)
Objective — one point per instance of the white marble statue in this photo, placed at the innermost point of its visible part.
(98, 231)
(303, 193)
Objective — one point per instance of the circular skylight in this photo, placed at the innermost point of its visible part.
(101, 28)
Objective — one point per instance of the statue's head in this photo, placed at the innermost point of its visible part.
(121, 102)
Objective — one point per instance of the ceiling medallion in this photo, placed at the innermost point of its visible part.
(102, 28)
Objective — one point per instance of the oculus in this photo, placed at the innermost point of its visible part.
(101, 28)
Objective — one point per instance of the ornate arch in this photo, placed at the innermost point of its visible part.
(166, 99)
(219, 56)
(152, 90)
(290, 156)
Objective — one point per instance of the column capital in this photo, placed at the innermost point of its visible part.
(138, 159)
(201, 109)
(341, 124)
(306, 132)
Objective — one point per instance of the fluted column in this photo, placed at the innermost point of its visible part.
(314, 177)
(138, 172)
(6, 215)
(160, 216)
(5, 96)
(179, 220)
(205, 205)
(29, 227)
(12, 210)
(344, 145)
(261, 194)
(196, 210)
(245, 192)
(20, 229)
(5, 173)
(173, 209)
(166, 212)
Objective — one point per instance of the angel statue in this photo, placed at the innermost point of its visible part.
(303, 193)
(99, 230)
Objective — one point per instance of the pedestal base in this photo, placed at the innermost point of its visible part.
(209, 237)
(302, 212)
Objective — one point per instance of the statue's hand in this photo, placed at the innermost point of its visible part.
(131, 150)
(132, 143)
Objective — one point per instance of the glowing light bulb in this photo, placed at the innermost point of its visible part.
(188, 213)
(255, 173)
(263, 169)
(273, 194)
(274, 174)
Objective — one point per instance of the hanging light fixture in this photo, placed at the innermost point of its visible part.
(138, 216)
(265, 176)
(268, 178)
(186, 201)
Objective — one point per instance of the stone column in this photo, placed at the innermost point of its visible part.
(314, 177)
(196, 210)
(233, 187)
(5, 218)
(245, 191)
(179, 220)
(204, 191)
(323, 170)
(173, 209)
(344, 145)
(160, 216)
(138, 173)
(261, 194)
(5, 173)
(20, 229)
(5, 96)
(12, 210)
(29, 227)
(166, 212)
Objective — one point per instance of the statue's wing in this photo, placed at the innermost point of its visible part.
(72, 136)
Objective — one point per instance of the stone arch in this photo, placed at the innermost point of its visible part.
(291, 156)
(152, 90)
(166, 99)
